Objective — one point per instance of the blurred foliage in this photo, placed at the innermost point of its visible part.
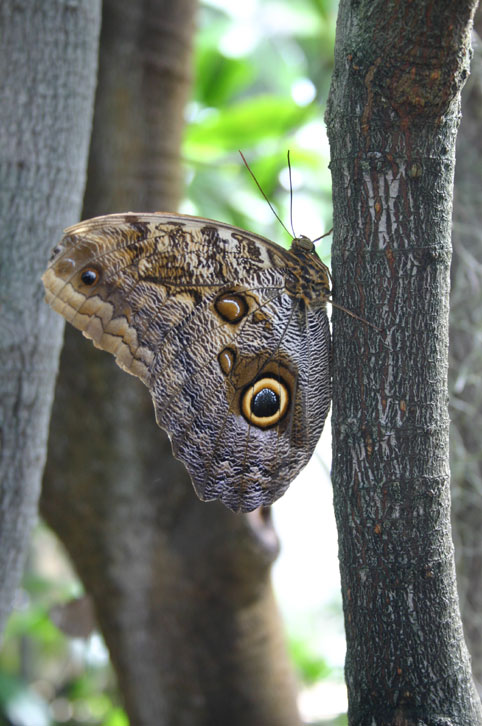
(46, 677)
(341, 720)
(262, 73)
(261, 82)
(311, 666)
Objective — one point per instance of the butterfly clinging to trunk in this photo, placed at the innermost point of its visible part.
(228, 331)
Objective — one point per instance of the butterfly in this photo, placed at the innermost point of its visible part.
(227, 329)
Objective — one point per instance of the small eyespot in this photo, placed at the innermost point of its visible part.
(265, 402)
(226, 360)
(90, 276)
(56, 250)
(231, 306)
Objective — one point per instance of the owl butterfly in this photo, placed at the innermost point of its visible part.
(228, 331)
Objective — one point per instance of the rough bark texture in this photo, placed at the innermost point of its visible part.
(145, 75)
(466, 359)
(181, 589)
(48, 57)
(392, 118)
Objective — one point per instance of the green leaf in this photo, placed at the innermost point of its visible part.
(311, 666)
(243, 125)
(116, 717)
(35, 623)
(219, 79)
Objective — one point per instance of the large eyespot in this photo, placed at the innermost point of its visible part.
(265, 402)
(231, 306)
(90, 276)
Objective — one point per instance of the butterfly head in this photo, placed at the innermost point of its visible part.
(302, 244)
(310, 278)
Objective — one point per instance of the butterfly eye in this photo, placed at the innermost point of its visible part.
(90, 276)
(265, 402)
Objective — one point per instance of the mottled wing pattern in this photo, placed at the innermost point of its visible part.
(227, 330)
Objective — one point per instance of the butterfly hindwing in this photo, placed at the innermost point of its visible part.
(227, 330)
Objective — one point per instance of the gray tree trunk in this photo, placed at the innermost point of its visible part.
(392, 120)
(466, 360)
(48, 61)
(181, 589)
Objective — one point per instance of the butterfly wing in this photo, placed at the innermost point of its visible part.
(206, 315)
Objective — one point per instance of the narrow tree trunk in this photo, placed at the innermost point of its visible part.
(181, 589)
(466, 361)
(48, 60)
(392, 118)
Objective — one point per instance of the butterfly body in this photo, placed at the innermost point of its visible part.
(227, 330)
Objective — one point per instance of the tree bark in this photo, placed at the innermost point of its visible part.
(48, 57)
(465, 360)
(392, 120)
(181, 589)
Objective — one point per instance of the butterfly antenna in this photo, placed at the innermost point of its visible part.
(291, 195)
(264, 195)
(323, 235)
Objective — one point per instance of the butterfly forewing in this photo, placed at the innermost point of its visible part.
(228, 331)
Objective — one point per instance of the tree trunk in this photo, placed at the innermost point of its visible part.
(392, 120)
(181, 589)
(48, 57)
(465, 360)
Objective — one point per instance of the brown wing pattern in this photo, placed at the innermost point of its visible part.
(228, 331)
